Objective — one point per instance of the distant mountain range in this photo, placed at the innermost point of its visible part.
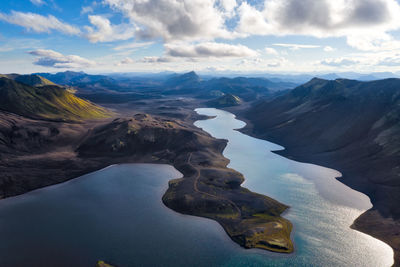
(246, 88)
(44, 100)
(169, 84)
(207, 87)
(72, 77)
(305, 77)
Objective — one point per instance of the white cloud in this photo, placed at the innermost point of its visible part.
(125, 61)
(271, 51)
(259, 63)
(51, 58)
(274, 64)
(38, 23)
(364, 62)
(156, 59)
(229, 7)
(133, 46)
(339, 62)
(19, 44)
(297, 46)
(89, 9)
(37, 2)
(86, 9)
(279, 62)
(175, 20)
(385, 42)
(329, 49)
(353, 19)
(209, 49)
(198, 30)
(103, 31)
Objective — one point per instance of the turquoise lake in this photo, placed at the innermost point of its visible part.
(116, 215)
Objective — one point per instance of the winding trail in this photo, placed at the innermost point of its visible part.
(196, 180)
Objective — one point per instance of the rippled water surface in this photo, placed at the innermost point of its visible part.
(116, 214)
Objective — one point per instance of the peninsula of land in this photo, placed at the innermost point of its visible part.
(65, 137)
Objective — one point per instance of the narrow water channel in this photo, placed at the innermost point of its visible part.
(322, 208)
(116, 214)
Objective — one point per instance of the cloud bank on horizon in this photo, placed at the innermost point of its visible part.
(224, 35)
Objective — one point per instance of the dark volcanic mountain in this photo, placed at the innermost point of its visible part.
(348, 125)
(227, 100)
(46, 102)
(188, 83)
(246, 88)
(189, 79)
(29, 79)
(72, 77)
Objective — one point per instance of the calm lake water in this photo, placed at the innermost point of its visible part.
(116, 214)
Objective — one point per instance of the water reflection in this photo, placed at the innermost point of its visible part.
(322, 208)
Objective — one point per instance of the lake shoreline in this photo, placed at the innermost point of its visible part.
(122, 203)
(208, 189)
(371, 222)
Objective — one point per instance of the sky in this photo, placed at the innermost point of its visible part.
(271, 36)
